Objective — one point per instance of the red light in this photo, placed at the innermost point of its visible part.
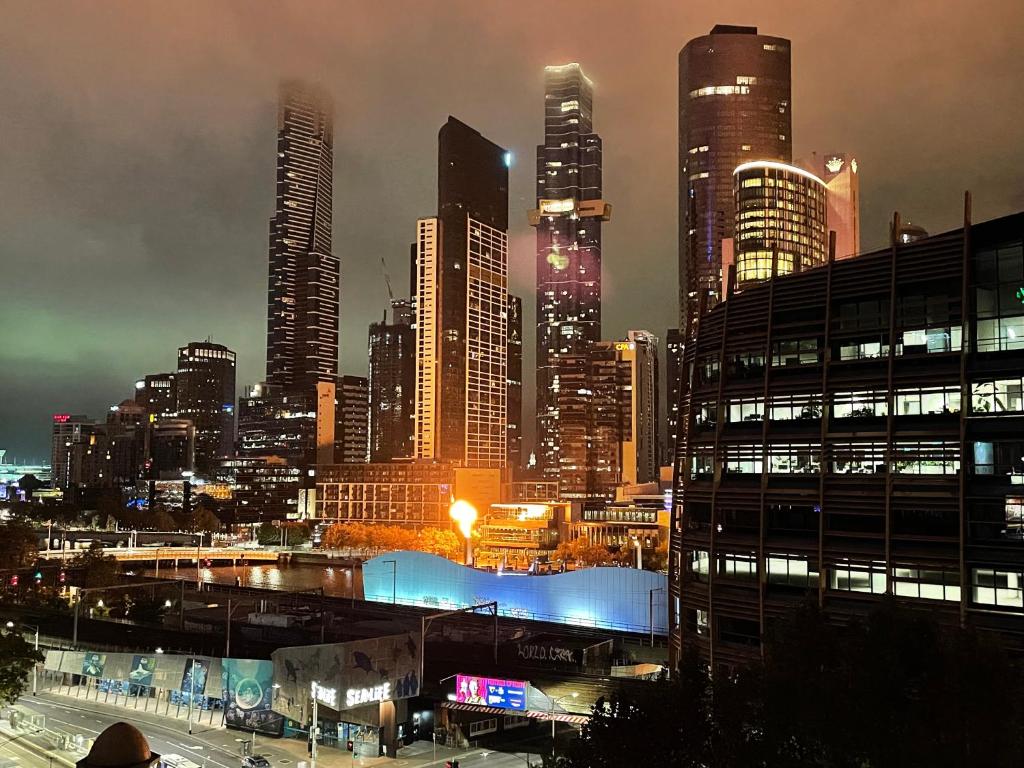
(14, 580)
(61, 418)
(62, 577)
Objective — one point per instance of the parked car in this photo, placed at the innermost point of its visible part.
(177, 761)
(255, 761)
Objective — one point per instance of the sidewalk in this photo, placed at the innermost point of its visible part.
(45, 742)
(281, 751)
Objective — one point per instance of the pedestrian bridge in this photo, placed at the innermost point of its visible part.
(175, 554)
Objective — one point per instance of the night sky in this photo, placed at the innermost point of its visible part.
(137, 155)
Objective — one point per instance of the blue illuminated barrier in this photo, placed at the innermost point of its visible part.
(611, 598)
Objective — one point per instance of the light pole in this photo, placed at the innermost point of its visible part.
(650, 610)
(11, 625)
(394, 579)
(191, 692)
(554, 701)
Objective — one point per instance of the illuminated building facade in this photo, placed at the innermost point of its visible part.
(353, 420)
(410, 494)
(514, 397)
(272, 422)
(462, 304)
(302, 320)
(158, 394)
(673, 376)
(734, 106)
(513, 536)
(568, 218)
(206, 396)
(392, 384)
(841, 174)
(67, 431)
(781, 224)
(854, 432)
(263, 488)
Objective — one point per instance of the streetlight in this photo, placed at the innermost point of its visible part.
(554, 701)
(159, 650)
(650, 610)
(12, 625)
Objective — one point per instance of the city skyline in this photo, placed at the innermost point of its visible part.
(157, 243)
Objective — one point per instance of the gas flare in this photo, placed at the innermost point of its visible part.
(463, 513)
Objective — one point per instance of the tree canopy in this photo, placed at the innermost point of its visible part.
(18, 658)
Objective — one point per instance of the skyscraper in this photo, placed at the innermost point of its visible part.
(302, 307)
(568, 219)
(353, 420)
(515, 383)
(840, 173)
(392, 380)
(781, 222)
(462, 297)
(206, 395)
(734, 106)
(673, 378)
(158, 394)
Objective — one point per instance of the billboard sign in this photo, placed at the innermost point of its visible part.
(491, 692)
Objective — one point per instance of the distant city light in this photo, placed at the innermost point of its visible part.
(508, 159)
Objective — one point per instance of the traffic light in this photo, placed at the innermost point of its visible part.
(14, 580)
(62, 577)
(39, 576)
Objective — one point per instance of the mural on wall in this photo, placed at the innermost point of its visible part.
(93, 664)
(610, 598)
(358, 673)
(142, 670)
(194, 679)
(248, 696)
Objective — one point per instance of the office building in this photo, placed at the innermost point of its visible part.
(158, 394)
(673, 377)
(462, 298)
(67, 432)
(568, 218)
(852, 434)
(263, 488)
(781, 222)
(734, 106)
(352, 420)
(302, 319)
(411, 494)
(514, 398)
(206, 396)
(641, 460)
(840, 172)
(392, 381)
(170, 449)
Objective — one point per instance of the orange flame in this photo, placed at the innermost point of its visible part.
(463, 513)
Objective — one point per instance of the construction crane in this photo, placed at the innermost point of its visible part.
(387, 280)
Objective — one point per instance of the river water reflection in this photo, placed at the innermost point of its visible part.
(289, 577)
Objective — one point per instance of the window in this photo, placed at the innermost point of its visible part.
(702, 463)
(847, 576)
(928, 325)
(926, 585)
(999, 298)
(793, 458)
(514, 721)
(999, 588)
(795, 407)
(746, 410)
(699, 563)
(791, 571)
(858, 458)
(481, 727)
(1000, 396)
(795, 352)
(869, 315)
(927, 458)
(707, 369)
(740, 567)
(864, 350)
(859, 405)
(923, 402)
(706, 415)
(746, 365)
(743, 459)
(720, 90)
(1002, 457)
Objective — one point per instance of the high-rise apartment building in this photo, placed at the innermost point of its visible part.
(206, 396)
(302, 307)
(67, 432)
(515, 384)
(462, 300)
(569, 214)
(781, 222)
(392, 351)
(851, 435)
(609, 413)
(673, 378)
(353, 420)
(734, 106)
(158, 394)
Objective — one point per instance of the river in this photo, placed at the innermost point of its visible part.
(288, 577)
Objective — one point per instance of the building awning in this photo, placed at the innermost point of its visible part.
(561, 717)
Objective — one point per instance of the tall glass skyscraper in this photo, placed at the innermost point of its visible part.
(568, 219)
(462, 305)
(734, 107)
(303, 285)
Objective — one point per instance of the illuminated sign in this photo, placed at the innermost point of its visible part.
(489, 692)
(323, 694)
(356, 696)
(565, 205)
(624, 346)
(61, 418)
(834, 164)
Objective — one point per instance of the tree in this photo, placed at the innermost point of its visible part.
(204, 520)
(441, 542)
(29, 484)
(98, 569)
(268, 534)
(583, 553)
(19, 658)
(19, 544)
(161, 520)
(145, 608)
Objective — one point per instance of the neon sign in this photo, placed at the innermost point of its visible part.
(61, 418)
(323, 694)
(486, 691)
(356, 696)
